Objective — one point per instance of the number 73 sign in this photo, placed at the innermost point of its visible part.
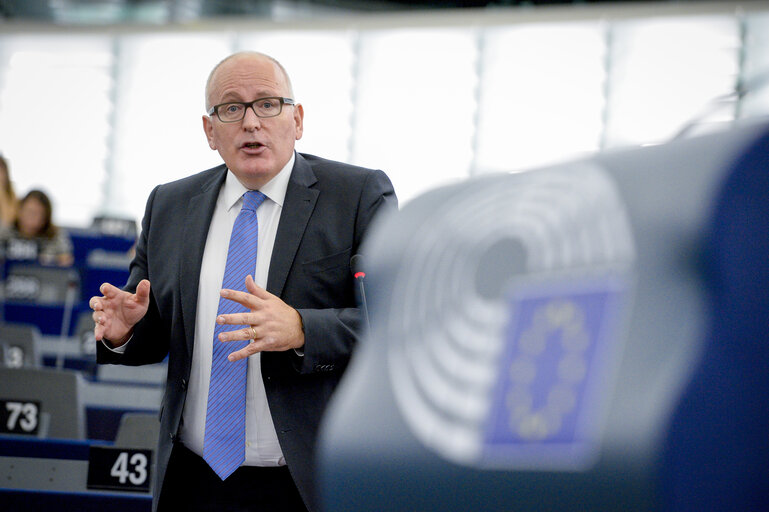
(19, 417)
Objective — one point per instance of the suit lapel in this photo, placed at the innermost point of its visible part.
(197, 220)
(297, 209)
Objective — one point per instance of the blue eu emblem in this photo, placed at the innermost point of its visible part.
(553, 381)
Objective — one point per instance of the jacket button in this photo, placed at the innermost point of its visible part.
(184, 384)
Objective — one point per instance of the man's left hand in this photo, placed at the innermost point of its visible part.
(273, 325)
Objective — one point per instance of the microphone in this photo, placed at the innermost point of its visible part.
(356, 267)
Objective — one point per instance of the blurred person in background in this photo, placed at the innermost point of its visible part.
(8, 201)
(34, 224)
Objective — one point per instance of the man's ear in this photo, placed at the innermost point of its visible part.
(208, 127)
(299, 120)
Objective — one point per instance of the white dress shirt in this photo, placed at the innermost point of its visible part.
(262, 448)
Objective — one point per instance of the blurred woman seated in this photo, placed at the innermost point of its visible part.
(34, 224)
(8, 202)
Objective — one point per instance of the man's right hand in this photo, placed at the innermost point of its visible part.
(116, 312)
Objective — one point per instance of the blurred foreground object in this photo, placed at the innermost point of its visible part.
(587, 336)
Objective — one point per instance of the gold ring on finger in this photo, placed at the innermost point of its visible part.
(253, 333)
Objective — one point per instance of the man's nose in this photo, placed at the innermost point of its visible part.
(250, 120)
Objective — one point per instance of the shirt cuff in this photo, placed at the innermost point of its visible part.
(117, 350)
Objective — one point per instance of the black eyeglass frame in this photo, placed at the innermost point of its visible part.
(246, 104)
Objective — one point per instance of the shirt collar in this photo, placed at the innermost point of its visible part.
(275, 189)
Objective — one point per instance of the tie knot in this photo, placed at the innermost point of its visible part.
(252, 199)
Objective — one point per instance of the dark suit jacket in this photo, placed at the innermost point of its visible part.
(327, 211)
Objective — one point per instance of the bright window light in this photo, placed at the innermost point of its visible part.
(666, 74)
(416, 106)
(55, 107)
(97, 118)
(542, 95)
(159, 133)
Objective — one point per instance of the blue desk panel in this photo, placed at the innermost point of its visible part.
(14, 500)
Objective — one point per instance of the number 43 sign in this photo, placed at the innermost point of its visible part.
(119, 469)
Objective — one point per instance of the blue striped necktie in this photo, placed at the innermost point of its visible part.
(224, 444)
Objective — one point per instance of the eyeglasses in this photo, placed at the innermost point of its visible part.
(263, 107)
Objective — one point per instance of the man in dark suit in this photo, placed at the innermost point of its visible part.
(298, 319)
